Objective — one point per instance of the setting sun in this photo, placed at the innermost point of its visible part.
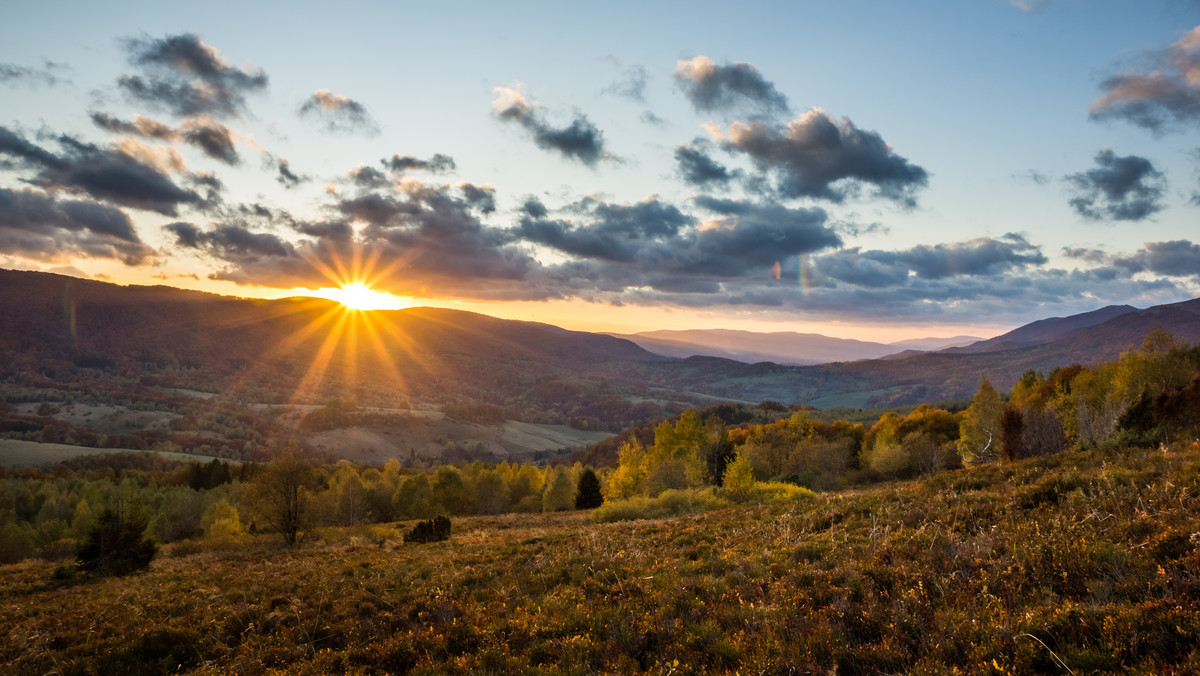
(358, 296)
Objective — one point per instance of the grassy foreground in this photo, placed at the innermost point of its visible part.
(1083, 561)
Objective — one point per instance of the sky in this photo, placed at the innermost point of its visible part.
(863, 169)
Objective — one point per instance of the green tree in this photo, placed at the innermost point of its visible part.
(491, 493)
(414, 498)
(589, 495)
(117, 544)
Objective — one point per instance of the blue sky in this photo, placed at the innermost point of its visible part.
(865, 169)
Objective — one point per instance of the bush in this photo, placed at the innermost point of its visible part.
(668, 504)
(116, 545)
(430, 530)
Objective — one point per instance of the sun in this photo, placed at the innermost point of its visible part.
(359, 296)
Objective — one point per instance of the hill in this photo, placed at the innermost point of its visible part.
(1083, 561)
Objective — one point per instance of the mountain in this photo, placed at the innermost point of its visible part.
(949, 374)
(780, 347)
(1046, 330)
(934, 344)
(137, 344)
(128, 342)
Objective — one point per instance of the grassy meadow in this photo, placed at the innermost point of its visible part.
(1079, 562)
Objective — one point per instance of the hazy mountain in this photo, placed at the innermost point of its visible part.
(934, 344)
(780, 347)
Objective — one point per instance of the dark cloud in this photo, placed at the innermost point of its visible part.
(983, 257)
(286, 177)
(231, 242)
(696, 167)
(367, 177)
(430, 237)
(50, 74)
(533, 207)
(203, 132)
(187, 77)
(620, 247)
(129, 174)
(1166, 91)
(814, 156)
(339, 113)
(631, 85)
(580, 140)
(1177, 258)
(34, 223)
(1096, 256)
(437, 164)
(1125, 188)
(733, 87)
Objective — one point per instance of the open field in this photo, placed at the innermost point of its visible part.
(15, 453)
(1083, 560)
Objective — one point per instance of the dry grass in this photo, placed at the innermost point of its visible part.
(1087, 561)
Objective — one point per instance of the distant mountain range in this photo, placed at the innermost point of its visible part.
(780, 347)
(62, 333)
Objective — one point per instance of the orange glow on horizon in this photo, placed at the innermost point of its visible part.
(359, 296)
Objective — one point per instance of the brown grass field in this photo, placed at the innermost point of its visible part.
(1078, 563)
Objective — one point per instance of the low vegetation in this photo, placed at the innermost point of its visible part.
(1085, 560)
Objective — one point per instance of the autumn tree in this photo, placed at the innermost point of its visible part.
(281, 495)
(979, 430)
(560, 492)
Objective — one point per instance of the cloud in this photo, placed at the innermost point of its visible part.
(201, 131)
(35, 224)
(50, 74)
(339, 113)
(814, 156)
(368, 177)
(631, 85)
(649, 117)
(1096, 256)
(430, 235)
(696, 167)
(183, 75)
(1153, 98)
(620, 248)
(130, 174)
(437, 164)
(733, 87)
(1030, 6)
(1125, 188)
(983, 256)
(580, 140)
(1177, 258)
(286, 177)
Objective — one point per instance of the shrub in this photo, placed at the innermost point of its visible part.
(430, 530)
(668, 504)
(117, 545)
